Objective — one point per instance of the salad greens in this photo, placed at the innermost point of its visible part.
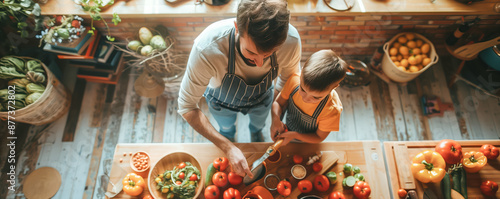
(176, 183)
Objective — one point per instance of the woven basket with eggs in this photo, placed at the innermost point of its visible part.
(407, 55)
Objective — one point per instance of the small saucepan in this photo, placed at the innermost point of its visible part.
(491, 56)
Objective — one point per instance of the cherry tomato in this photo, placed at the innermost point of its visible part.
(489, 188)
(336, 195)
(148, 197)
(297, 159)
(182, 175)
(490, 151)
(178, 182)
(402, 193)
(193, 177)
(181, 165)
(317, 166)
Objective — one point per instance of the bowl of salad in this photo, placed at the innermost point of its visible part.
(177, 175)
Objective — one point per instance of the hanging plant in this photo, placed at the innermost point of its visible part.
(19, 12)
(94, 8)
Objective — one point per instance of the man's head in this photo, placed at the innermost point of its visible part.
(262, 26)
(321, 73)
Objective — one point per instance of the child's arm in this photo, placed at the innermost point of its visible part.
(276, 110)
(317, 137)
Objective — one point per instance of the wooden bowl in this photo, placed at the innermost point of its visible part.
(132, 162)
(168, 162)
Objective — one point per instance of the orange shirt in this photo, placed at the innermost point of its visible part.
(328, 119)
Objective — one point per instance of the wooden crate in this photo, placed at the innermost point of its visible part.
(397, 175)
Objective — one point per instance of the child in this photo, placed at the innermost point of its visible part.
(312, 104)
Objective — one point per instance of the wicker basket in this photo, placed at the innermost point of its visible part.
(53, 103)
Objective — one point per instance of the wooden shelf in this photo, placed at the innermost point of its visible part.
(188, 8)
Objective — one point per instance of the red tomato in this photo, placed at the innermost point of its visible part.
(148, 196)
(221, 163)
(58, 20)
(317, 166)
(212, 192)
(305, 186)
(178, 182)
(321, 183)
(193, 177)
(232, 194)
(234, 178)
(297, 159)
(284, 188)
(75, 23)
(489, 188)
(450, 150)
(220, 179)
(182, 175)
(489, 151)
(362, 190)
(181, 165)
(402, 193)
(336, 195)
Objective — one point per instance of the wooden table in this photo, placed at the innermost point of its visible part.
(368, 155)
(409, 149)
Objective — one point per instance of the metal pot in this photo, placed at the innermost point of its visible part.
(491, 56)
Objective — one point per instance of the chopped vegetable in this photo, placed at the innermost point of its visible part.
(314, 158)
(172, 183)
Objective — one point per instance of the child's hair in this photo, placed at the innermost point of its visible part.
(323, 69)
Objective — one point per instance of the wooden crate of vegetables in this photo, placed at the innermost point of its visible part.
(29, 92)
(468, 169)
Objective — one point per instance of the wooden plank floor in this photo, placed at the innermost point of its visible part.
(112, 114)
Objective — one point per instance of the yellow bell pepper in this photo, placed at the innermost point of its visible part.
(133, 184)
(473, 161)
(428, 166)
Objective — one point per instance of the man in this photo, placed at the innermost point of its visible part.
(233, 64)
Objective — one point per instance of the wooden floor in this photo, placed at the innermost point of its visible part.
(112, 114)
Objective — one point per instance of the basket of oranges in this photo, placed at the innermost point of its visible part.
(407, 55)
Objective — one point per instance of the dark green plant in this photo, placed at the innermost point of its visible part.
(19, 12)
(94, 8)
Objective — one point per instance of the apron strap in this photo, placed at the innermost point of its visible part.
(320, 107)
(230, 61)
(294, 91)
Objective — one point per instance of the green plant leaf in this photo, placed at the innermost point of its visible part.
(22, 25)
(116, 19)
(110, 38)
(37, 11)
(26, 3)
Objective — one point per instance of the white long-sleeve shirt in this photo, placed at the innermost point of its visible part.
(207, 63)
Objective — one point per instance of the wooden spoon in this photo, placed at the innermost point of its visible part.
(471, 50)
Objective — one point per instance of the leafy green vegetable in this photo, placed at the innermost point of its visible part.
(35, 88)
(35, 77)
(9, 73)
(4, 95)
(23, 82)
(13, 62)
(32, 98)
(34, 65)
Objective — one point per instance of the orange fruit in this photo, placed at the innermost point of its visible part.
(416, 51)
(426, 61)
(419, 42)
(402, 68)
(404, 50)
(399, 57)
(396, 45)
(413, 69)
(404, 62)
(393, 51)
(412, 60)
(394, 58)
(411, 44)
(410, 36)
(426, 48)
(402, 39)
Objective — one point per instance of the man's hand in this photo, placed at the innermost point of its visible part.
(238, 162)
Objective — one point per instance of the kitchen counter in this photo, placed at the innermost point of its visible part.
(188, 8)
(399, 167)
(367, 155)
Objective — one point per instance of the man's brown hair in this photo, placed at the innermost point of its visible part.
(264, 21)
(322, 69)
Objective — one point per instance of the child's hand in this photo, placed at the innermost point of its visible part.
(287, 137)
(277, 127)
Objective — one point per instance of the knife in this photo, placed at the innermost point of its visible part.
(269, 152)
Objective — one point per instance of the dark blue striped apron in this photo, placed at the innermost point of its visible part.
(296, 120)
(234, 93)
